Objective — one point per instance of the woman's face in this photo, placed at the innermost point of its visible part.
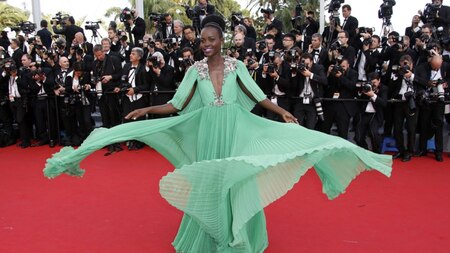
(210, 41)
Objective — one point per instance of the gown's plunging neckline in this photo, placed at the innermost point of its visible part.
(220, 86)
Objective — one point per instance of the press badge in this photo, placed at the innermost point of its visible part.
(306, 100)
(274, 100)
(336, 95)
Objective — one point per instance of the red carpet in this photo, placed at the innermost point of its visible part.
(116, 207)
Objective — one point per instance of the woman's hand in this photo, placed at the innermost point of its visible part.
(136, 114)
(288, 117)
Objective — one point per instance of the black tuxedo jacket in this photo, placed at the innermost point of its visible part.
(164, 30)
(346, 87)
(423, 74)
(317, 83)
(141, 78)
(350, 26)
(373, 59)
(17, 57)
(379, 104)
(69, 32)
(87, 48)
(138, 30)
(48, 85)
(284, 82)
(277, 23)
(111, 65)
(165, 81)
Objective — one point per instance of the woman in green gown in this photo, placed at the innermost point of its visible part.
(230, 164)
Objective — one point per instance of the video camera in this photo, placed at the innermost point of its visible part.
(126, 14)
(430, 13)
(333, 8)
(26, 27)
(236, 19)
(298, 15)
(59, 18)
(92, 25)
(386, 11)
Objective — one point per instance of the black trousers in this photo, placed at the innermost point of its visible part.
(20, 113)
(285, 103)
(83, 120)
(129, 106)
(44, 115)
(335, 112)
(404, 117)
(110, 110)
(368, 125)
(306, 114)
(6, 117)
(432, 123)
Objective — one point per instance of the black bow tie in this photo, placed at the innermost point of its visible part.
(133, 67)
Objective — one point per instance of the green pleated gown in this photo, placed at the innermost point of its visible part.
(230, 164)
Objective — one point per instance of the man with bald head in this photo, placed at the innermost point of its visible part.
(239, 53)
(83, 44)
(434, 77)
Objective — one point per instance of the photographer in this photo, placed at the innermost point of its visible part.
(162, 79)
(433, 77)
(192, 41)
(134, 80)
(107, 71)
(271, 21)
(172, 52)
(125, 49)
(43, 104)
(350, 24)
(136, 26)
(185, 63)
(436, 15)
(68, 30)
(405, 89)
(276, 79)
(309, 80)
(114, 39)
(341, 48)
(83, 44)
(237, 50)
(203, 9)
(251, 32)
(341, 85)
(167, 27)
(45, 34)
(78, 88)
(369, 58)
(370, 118)
(6, 118)
(310, 27)
(17, 53)
(248, 41)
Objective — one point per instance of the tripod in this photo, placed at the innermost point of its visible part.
(95, 37)
(386, 28)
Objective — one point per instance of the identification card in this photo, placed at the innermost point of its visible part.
(274, 100)
(336, 95)
(306, 100)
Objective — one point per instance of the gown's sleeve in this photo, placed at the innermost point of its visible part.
(250, 85)
(183, 92)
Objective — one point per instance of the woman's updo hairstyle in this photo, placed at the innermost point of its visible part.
(216, 22)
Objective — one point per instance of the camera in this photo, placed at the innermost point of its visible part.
(400, 70)
(261, 45)
(59, 19)
(336, 46)
(126, 14)
(26, 27)
(236, 19)
(9, 66)
(170, 43)
(298, 14)
(124, 85)
(233, 49)
(92, 25)
(410, 99)
(385, 11)
(267, 11)
(302, 66)
(336, 68)
(366, 87)
(186, 63)
(367, 42)
(271, 68)
(155, 62)
(319, 110)
(366, 30)
(438, 92)
(333, 8)
(430, 13)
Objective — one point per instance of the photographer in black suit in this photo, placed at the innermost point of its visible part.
(107, 71)
(405, 88)
(203, 9)
(341, 85)
(136, 26)
(437, 15)
(134, 80)
(271, 21)
(309, 79)
(167, 27)
(370, 117)
(162, 79)
(349, 24)
(68, 30)
(433, 77)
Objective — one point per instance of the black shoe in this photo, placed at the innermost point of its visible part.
(51, 143)
(24, 144)
(406, 157)
(439, 157)
(397, 155)
(40, 143)
(420, 153)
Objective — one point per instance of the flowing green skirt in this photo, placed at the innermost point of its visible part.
(230, 164)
